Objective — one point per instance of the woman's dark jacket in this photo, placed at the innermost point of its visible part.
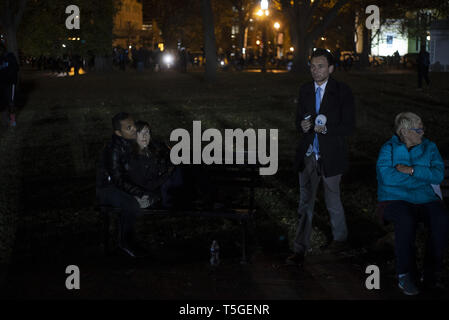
(150, 168)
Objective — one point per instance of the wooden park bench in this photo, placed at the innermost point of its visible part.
(445, 184)
(241, 177)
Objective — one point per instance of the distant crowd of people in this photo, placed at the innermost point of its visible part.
(144, 58)
(61, 64)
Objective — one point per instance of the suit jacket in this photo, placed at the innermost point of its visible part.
(338, 106)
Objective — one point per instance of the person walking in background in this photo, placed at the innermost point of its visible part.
(423, 66)
(9, 69)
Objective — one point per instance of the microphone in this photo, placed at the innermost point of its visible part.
(320, 120)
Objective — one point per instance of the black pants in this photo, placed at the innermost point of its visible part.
(405, 217)
(7, 97)
(423, 72)
(112, 196)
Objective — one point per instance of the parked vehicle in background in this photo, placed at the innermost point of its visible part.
(377, 60)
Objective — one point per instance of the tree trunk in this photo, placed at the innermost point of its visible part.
(302, 44)
(9, 21)
(242, 28)
(366, 48)
(209, 41)
(11, 40)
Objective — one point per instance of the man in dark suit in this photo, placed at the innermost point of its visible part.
(322, 150)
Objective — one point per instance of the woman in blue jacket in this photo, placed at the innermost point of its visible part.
(409, 170)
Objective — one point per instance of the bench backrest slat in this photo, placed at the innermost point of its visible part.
(445, 184)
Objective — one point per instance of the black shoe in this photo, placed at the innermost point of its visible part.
(296, 259)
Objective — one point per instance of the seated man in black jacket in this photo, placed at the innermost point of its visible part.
(115, 188)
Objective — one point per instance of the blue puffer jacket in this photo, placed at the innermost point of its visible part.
(428, 169)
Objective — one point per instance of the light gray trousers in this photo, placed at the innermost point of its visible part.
(309, 180)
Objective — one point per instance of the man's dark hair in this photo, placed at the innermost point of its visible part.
(319, 52)
(116, 125)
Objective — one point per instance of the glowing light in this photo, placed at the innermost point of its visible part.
(267, 13)
(428, 38)
(277, 25)
(258, 42)
(264, 4)
(244, 50)
(130, 46)
(323, 38)
(63, 45)
(222, 63)
(72, 71)
(260, 13)
(292, 49)
(168, 59)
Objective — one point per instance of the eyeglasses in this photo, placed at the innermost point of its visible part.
(418, 130)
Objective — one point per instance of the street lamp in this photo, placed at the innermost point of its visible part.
(277, 26)
(264, 9)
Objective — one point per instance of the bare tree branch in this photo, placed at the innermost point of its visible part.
(330, 16)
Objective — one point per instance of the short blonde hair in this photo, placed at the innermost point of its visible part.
(406, 120)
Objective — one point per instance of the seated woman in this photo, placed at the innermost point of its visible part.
(407, 167)
(150, 167)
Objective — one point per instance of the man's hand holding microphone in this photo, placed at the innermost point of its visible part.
(320, 124)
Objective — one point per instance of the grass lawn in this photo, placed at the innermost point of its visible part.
(48, 161)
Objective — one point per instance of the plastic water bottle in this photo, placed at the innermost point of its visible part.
(214, 254)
